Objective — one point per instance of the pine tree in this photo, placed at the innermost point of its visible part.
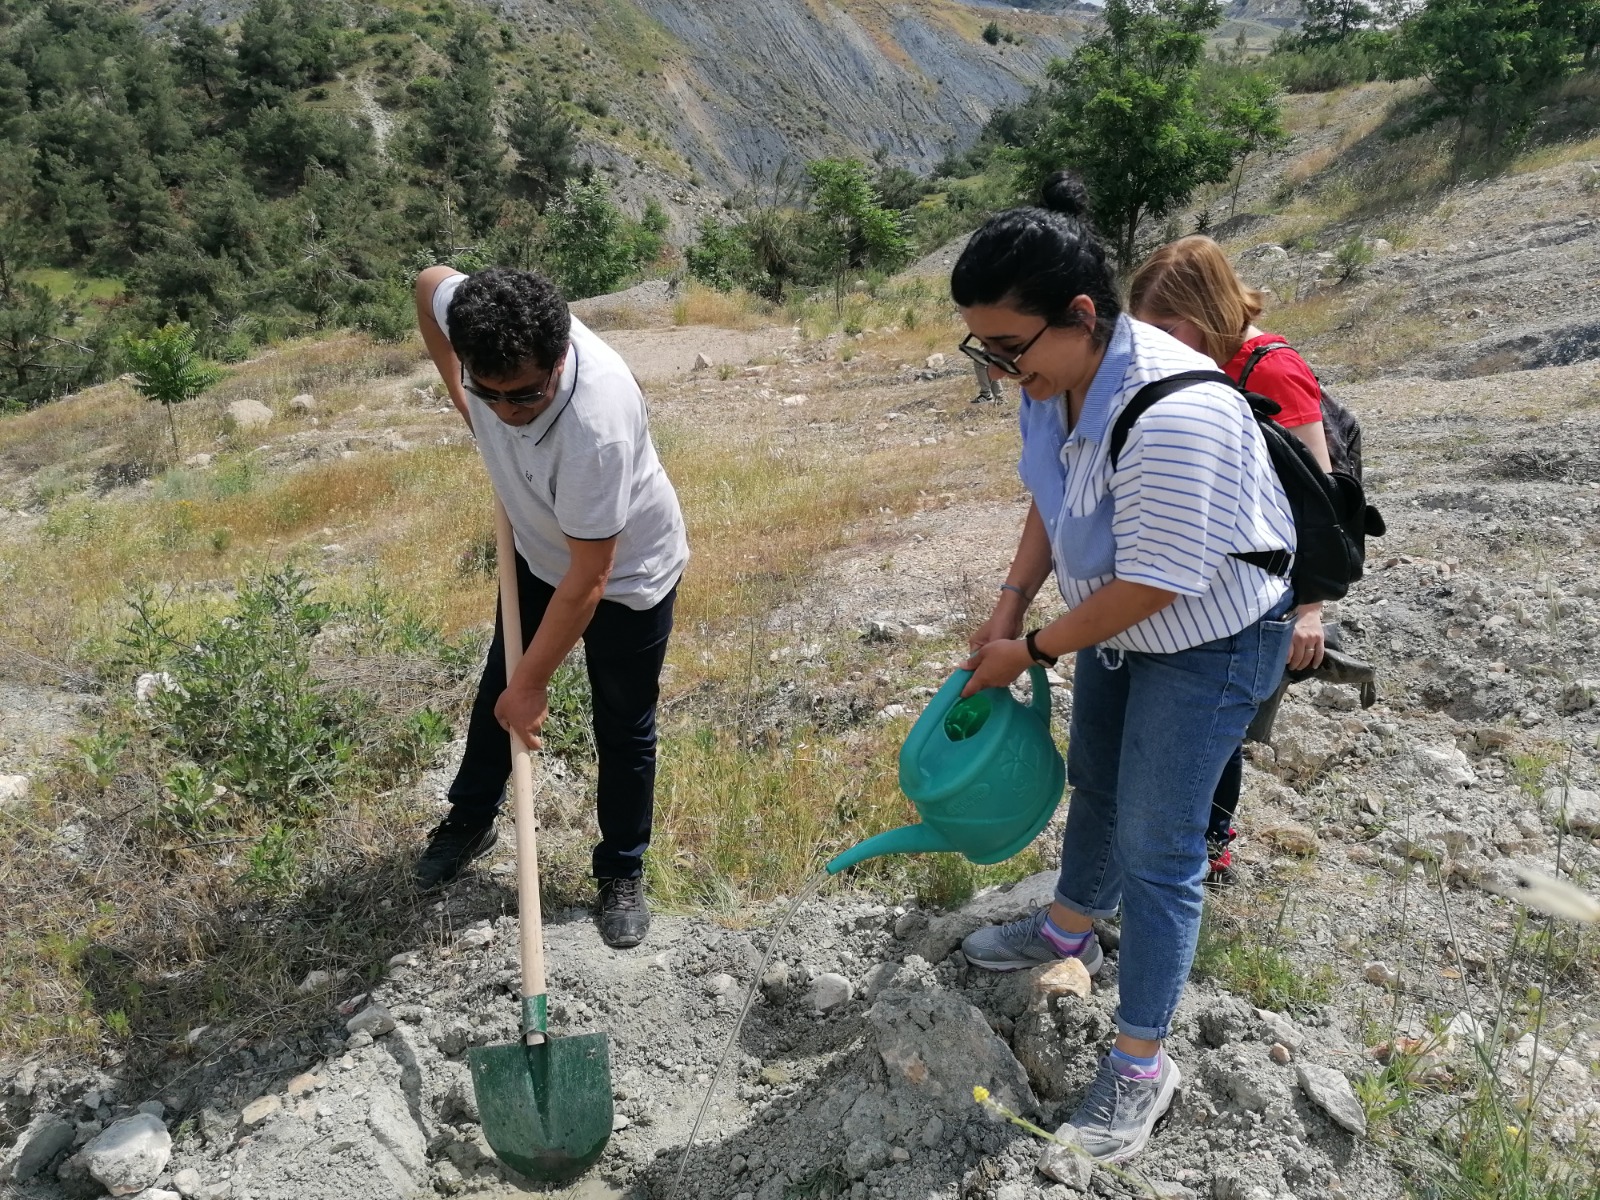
(543, 138)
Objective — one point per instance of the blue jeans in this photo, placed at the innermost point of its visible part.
(1150, 738)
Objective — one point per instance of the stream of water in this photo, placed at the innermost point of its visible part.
(810, 890)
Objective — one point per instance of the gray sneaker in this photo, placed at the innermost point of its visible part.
(1021, 944)
(1114, 1121)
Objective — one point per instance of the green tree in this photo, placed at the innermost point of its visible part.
(1490, 60)
(543, 138)
(34, 362)
(1330, 21)
(202, 56)
(720, 257)
(456, 136)
(1249, 110)
(1124, 114)
(166, 369)
(991, 33)
(850, 228)
(589, 249)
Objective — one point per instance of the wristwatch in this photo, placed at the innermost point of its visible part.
(1038, 655)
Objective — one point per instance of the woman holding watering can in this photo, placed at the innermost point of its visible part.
(1175, 640)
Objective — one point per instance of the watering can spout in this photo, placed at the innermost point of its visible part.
(908, 839)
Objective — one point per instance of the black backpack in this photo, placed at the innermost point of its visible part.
(1332, 518)
(1340, 428)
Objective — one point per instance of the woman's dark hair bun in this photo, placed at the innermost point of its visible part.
(1064, 193)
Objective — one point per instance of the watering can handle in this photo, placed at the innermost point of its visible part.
(946, 698)
(1041, 694)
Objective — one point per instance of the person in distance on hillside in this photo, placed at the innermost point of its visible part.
(1189, 290)
(561, 425)
(1176, 639)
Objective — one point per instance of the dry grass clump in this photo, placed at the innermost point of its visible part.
(697, 304)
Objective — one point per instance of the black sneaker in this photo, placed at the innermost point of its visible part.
(451, 846)
(624, 915)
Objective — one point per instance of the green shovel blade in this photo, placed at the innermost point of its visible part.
(546, 1109)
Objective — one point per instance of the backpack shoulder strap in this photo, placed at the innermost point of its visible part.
(1148, 395)
(1255, 358)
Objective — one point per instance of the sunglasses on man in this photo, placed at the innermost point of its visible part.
(972, 346)
(520, 398)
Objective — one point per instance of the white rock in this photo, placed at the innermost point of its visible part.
(314, 981)
(45, 1137)
(249, 414)
(128, 1156)
(1069, 1163)
(794, 401)
(474, 939)
(1380, 973)
(153, 683)
(720, 985)
(14, 788)
(1444, 764)
(933, 362)
(158, 1194)
(702, 363)
(260, 1109)
(1580, 808)
(200, 461)
(1330, 1091)
(1069, 977)
(374, 1020)
(830, 991)
(303, 403)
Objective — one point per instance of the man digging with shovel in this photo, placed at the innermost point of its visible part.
(561, 425)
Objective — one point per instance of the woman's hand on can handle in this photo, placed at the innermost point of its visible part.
(997, 663)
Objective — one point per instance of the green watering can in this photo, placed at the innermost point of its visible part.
(984, 774)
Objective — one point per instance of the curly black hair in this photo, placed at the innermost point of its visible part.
(502, 320)
(1038, 259)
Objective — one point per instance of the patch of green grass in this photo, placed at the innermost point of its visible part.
(71, 285)
(1248, 959)
(1526, 770)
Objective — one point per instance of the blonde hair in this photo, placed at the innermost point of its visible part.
(1192, 280)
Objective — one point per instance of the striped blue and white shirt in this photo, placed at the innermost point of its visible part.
(1193, 485)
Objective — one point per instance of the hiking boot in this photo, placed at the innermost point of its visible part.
(1115, 1119)
(1022, 944)
(451, 846)
(1219, 862)
(624, 914)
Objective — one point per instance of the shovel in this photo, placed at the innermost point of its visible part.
(544, 1102)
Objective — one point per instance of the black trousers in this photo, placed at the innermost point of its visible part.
(624, 650)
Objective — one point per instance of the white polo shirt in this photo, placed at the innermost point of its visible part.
(585, 469)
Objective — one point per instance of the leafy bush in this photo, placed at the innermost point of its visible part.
(242, 700)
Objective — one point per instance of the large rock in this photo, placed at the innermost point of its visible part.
(13, 788)
(1066, 1161)
(830, 991)
(44, 1138)
(129, 1154)
(1579, 808)
(938, 1047)
(249, 414)
(945, 933)
(1444, 764)
(1304, 743)
(1330, 1091)
(374, 1020)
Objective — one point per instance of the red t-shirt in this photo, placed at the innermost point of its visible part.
(1283, 377)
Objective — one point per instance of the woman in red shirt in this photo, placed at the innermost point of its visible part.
(1190, 290)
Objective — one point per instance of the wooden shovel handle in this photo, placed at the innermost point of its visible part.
(521, 771)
